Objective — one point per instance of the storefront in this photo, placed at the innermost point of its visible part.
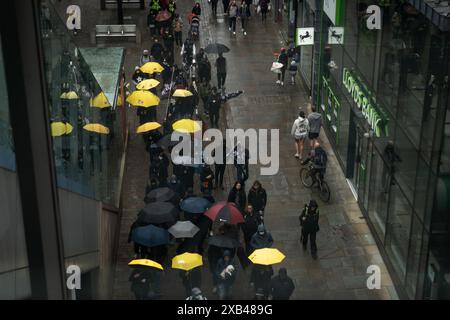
(383, 97)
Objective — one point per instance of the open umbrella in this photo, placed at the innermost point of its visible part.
(145, 263)
(143, 98)
(183, 229)
(187, 126)
(195, 205)
(147, 84)
(166, 141)
(225, 212)
(152, 67)
(160, 194)
(187, 261)
(163, 15)
(149, 126)
(97, 128)
(181, 93)
(216, 48)
(158, 212)
(60, 128)
(266, 256)
(100, 101)
(223, 241)
(71, 95)
(150, 236)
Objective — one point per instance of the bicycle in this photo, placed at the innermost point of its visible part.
(308, 180)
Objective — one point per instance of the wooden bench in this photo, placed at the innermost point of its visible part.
(141, 3)
(117, 30)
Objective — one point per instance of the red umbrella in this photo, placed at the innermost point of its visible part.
(225, 212)
(163, 16)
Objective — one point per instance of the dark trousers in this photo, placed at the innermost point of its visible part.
(214, 6)
(221, 79)
(179, 38)
(233, 23)
(281, 75)
(312, 238)
(243, 24)
(219, 172)
(214, 116)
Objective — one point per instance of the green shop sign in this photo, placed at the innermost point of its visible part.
(365, 101)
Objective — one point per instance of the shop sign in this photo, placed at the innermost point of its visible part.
(333, 9)
(376, 118)
(336, 35)
(305, 36)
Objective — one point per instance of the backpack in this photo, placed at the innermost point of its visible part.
(321, 158)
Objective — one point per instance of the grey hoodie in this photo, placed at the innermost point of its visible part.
(315, 122)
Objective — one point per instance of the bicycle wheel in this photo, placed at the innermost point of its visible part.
(305, 177)
(325, 193)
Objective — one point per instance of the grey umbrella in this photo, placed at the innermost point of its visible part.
(183, 229)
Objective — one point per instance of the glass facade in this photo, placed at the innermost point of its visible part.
(384, 98)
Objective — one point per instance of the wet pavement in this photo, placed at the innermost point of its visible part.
(345, 245)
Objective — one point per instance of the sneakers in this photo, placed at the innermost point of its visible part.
(234, 32)
(245, 33)
(278, 82)
(282, 83)
(297, 155)
(229, 29)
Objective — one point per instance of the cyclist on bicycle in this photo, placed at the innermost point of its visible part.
(319, 160)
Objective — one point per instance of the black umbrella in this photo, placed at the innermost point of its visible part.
(160, 194)
(158, 213)
(216, 48)
(223, 241)
(166, 141)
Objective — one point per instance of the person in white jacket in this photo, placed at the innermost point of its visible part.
(299, 131)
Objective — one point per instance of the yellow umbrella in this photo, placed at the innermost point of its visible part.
(69, 128)
(187, 126)
(119, 101)
(96, 127)
(152, 67)
(142, 98)
(100, 101)
(60, 128)
(187, 261)
(266, 256)
(147, 84)
(71, 95)
(145, 263)
(149, 126)
(180, 93)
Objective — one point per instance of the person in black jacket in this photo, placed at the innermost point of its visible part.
(197, 10)
(214, 104)
(237, 196)
(257, 197)
(249, 227)
(260, 277)
(281, 286)
(157, 51)
(221, 65)
(206, 179)
(220, 166)
(191, 279)
(283, 59)
(309, 221)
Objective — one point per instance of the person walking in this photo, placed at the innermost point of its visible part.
(299, 131)
(281, 286)
(284, 60)
(260, 278)
(214, 105)
(226, 275)
(264, 7)
(206, 179)
(220, 166)
(157, 50)
(232, 15)
(309, 222)
(214, 7)
(261, 239)
(145, 57)
(205, 91)
(237, 196)
(244, 15)
(191, 279)
(257, 197)
(177, 26)
(249, 227)
(226, 4)
(197, 10)
(221, 68)
(315, 123)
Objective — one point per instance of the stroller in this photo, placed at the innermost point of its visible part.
(195, 27)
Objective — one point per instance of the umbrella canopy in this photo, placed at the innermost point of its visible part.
(150, 236)
(195, 205)
(160, 194)
(152, 67)
(187, 126)
(97, 128)
(143, 98)
(216, 48)
(166, 141)
(147, 84)
(187, 261)
(181, 93)
(222, 241)
(149, 126)
(163, 16)
(145, 263)
(60, 128)
(100, 101)
(71, 95)
(184, 229)
(225, 212)
(266, 256)
(158, 212)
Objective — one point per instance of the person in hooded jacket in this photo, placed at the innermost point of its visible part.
(226, 275)
(249, 227)
(261, 239)
(257, 197)
(261, 277)
(299, 131)
(281, 286)
(315, 123)
(283, 59)
(237, 196)
(309, 222)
